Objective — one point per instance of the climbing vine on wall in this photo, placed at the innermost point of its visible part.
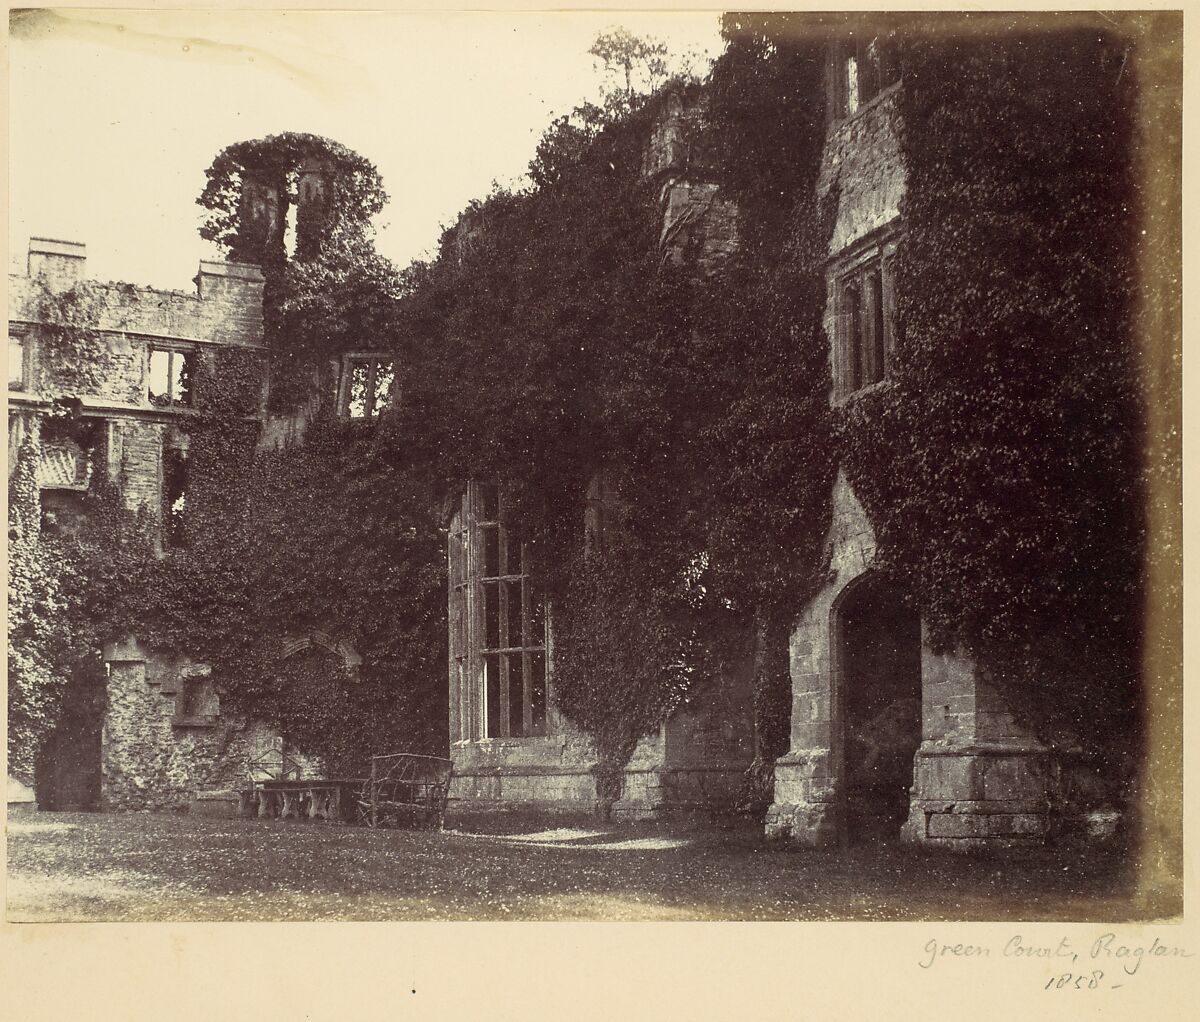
(770, 451)
(63, 588)
(1001, 465)
(75, 355)
(355, 196)
(559, 340)
(326, 289)
(551, 339)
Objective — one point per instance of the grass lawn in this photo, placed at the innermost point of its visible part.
(139, 866)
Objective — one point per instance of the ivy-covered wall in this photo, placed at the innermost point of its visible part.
(671, 301)
(85, 538)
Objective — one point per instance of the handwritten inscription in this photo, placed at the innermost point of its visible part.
(1099, 963)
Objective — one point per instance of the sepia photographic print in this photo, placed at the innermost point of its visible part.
(612, 466)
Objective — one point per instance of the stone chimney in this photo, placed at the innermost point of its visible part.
(234, 294)
(218, 280)
(60, 263)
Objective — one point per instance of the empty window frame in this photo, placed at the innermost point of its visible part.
(170, 378)
(865, 341)
(174, 496)
(16, 362)
(368, 385)
(497, 625)
(863, 67)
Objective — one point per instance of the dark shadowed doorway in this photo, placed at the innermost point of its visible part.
(878, 649)
(68, 768)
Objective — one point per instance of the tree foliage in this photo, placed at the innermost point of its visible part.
(638, 64)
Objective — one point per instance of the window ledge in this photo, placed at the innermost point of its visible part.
(513, 741)
(838, 123)
(148, 406)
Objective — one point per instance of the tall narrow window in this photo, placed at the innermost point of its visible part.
(175, 487)
(497, 633)
(877, 363)
(170, 378)
(16, 362)
(865, 329)
(865, 67)
(852, 299)
(368, 385)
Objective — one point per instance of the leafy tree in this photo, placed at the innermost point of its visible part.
(637, 64)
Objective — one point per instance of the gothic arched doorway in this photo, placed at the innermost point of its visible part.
(877, 646)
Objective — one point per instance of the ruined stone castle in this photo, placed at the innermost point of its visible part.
(888, 738)
(157, 734)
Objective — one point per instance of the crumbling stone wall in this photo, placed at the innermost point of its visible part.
(225, 308)
(152, 755)
(699, 225)
(862, 159)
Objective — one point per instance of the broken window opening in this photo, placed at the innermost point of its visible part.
(368, 385)
(197, 702)
(170, 378)
(866, 66)
(851, 84)
(175, 491)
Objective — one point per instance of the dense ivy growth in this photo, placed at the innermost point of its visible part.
(62, 589)
(345, 215)
(553, 339)
(1001, 466)
(555, 342)
(560, 340)
(619, 692)
(770, 451)
(327, 291)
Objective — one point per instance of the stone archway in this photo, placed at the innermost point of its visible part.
(320, 641)
(311, 671)
(877, 703)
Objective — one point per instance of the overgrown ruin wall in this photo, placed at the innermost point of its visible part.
(695, 764)
(977, 778)
(154, 750)
(153, 756)
(697, 761)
